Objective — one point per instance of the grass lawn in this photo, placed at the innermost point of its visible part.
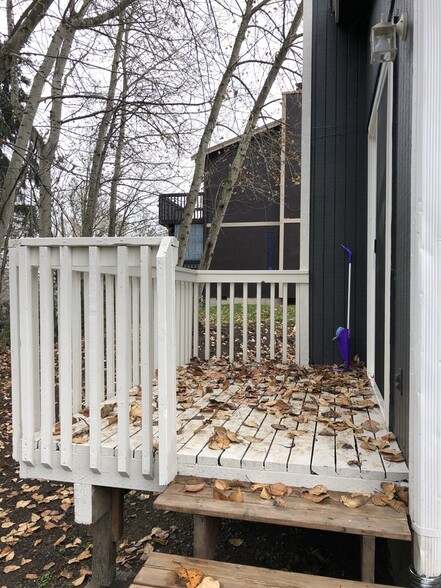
(252, 311)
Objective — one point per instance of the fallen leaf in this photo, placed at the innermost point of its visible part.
(314, 497)
(7, 553)
(235, 542)
(296, 433)
(279, 490)
(371, 426)
(378, 499)
(209, 582)
(193, 487)
(218, 494)
(278, 427)
(24, 561)
(279, 502)
(22, 503)
(327, 432)
(403, 494)
(31, 576)
(251, 424)
(9, 569)
(236, 495)
(79, 580)
(355, 500)
(59, 540)
(222, 484)
(318, 490)
(191, 576)
(265, 494)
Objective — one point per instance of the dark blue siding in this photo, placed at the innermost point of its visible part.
(343, 88)
(338, 177)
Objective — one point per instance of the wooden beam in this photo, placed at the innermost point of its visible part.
(205, 536)
(367, 559)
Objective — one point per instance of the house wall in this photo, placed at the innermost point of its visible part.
(338, 176)
(343, 88)
(260, 229)
(401, 203)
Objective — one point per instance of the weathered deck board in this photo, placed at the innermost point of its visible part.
(160, 572)
(330, 515)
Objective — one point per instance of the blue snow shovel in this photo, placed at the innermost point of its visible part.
(342, 334)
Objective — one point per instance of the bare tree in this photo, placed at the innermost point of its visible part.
(102, 140)
(219, 97)
(245, 139)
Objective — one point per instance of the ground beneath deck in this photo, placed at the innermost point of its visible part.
(41, 546)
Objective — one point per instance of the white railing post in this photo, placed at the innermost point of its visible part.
(302, 324)
(123, 357)
(65, 354)
(47, 359)
(95, 383)
(17, 430)
(165, 266)
(147, 358)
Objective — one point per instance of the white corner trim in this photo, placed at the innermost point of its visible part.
(306, 135)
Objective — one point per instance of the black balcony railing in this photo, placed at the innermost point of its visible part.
(171, 208)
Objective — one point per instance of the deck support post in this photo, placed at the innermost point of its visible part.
(367, 559)
(205, 536)
(102, 508)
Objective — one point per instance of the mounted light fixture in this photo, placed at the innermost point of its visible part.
(384, 39)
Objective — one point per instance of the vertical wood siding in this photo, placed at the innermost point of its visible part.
(338, 177)
(343, 89)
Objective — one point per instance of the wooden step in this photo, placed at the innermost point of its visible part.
(329, 515)
(368, 521)
(159, 571)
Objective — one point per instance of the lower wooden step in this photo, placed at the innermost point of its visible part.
(160, 572)
(329, 515)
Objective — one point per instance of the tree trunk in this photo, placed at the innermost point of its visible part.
(198, 174)
(102, 141)
(14, 171)
(121, 139)
(48, 149)
(21, 33)
(245, 140)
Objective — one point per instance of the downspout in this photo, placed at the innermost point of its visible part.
(425, 298)
(302, 343)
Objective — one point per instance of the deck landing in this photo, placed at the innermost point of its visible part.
(272, 422)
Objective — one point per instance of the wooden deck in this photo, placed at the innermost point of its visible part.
(270, 423)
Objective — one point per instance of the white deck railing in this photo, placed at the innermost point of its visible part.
(91, 319)
(204, 332)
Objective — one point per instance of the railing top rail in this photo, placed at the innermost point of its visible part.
(85, 241)
(247, 276)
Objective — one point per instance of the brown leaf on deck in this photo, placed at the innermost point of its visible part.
(279, 489)
(306, 494)
(379, 499)
(279, 427)
(219, 495)
(371, 426)
(191, 576)
(209, 582)
(222, 485)
(279, 502)
(236, 495)
(355, 500)
(193, 487)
